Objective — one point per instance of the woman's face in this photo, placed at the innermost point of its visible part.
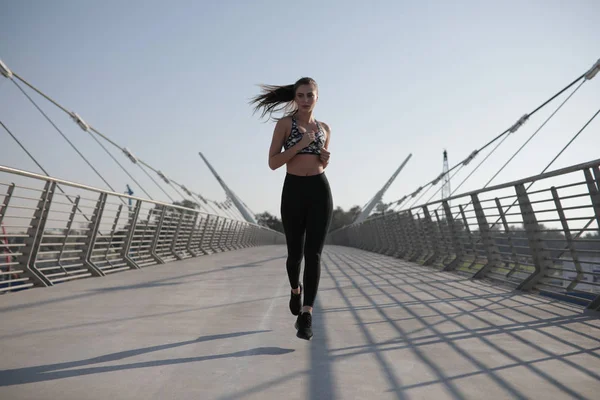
(306, 97)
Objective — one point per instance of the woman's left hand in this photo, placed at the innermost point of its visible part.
(324, 156)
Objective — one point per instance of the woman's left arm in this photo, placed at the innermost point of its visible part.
(325, 150)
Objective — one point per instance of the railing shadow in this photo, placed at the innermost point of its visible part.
(522, 330)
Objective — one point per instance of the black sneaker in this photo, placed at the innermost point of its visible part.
(304, 326)
(296, 302)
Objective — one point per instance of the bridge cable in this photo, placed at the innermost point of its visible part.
(153, 180)
(440, 188)
(522, 147)
(552, 162)
(535, 133)
(67, 139)
(91, 128)
(40, 166)
(120, 165)
(509, 130)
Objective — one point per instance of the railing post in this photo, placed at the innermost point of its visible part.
(92, 235)
(399, 239)
(35, 234)
(234, 235)
(240, 235)
(67, 233)
(374, 235)
(594, 190)
(513, 253)
(237, 235)
(456, 242)
(252, 237)
(113, 230)
(191, 237)
(491, 251)
(469, 234)
(223, 235)
(540, 257)
(204, 240)
(392, 247)
(569, 238)
(173, 246)
(215, 238)
(429, 231)
(445, 248)
(380, 232)
(130, 234)
(405, 247)
(156, 237)
(413, 234)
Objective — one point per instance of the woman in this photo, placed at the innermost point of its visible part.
(306, 201)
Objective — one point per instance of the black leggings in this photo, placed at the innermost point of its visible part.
(306, 209)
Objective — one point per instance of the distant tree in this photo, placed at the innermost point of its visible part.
(341, 218)
(270, 221)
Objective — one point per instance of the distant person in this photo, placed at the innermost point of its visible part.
(306, 200)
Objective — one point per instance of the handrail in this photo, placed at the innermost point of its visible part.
(545, 240)
(46, 240)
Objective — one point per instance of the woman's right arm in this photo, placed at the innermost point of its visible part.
(276, 157)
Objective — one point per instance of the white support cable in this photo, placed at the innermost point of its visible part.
(119, 164)
(551, 162)
(419, 198)
(588, 75)
(480, 164)
(86, 127)
(63, 135)
(440, 188)
(154, 180)
(42, 168)
(535, 133)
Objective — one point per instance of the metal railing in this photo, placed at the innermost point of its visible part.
(54, 231)
(540, 233)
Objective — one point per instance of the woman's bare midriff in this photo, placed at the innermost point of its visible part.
(305, 165)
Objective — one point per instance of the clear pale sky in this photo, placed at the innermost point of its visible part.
(168, 80)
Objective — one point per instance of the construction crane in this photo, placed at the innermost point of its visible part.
(446, 192)
(366, 211)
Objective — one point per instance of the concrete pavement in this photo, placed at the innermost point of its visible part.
(218, 327)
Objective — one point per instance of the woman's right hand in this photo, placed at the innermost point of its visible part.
(307, 139)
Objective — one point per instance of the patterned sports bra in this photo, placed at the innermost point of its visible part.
(295, 136)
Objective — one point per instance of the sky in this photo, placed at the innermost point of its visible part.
(169, 80)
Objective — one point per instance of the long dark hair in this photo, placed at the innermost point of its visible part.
(277, 98)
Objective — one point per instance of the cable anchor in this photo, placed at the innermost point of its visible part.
(164, 178)
(82, 124)
(593, 71)
(417, 191)
(435, 182)
(186, 190)
(519, 123)
(129, 155)
(471, 157)
(4, 70)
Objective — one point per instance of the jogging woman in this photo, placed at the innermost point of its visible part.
(306, 200)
